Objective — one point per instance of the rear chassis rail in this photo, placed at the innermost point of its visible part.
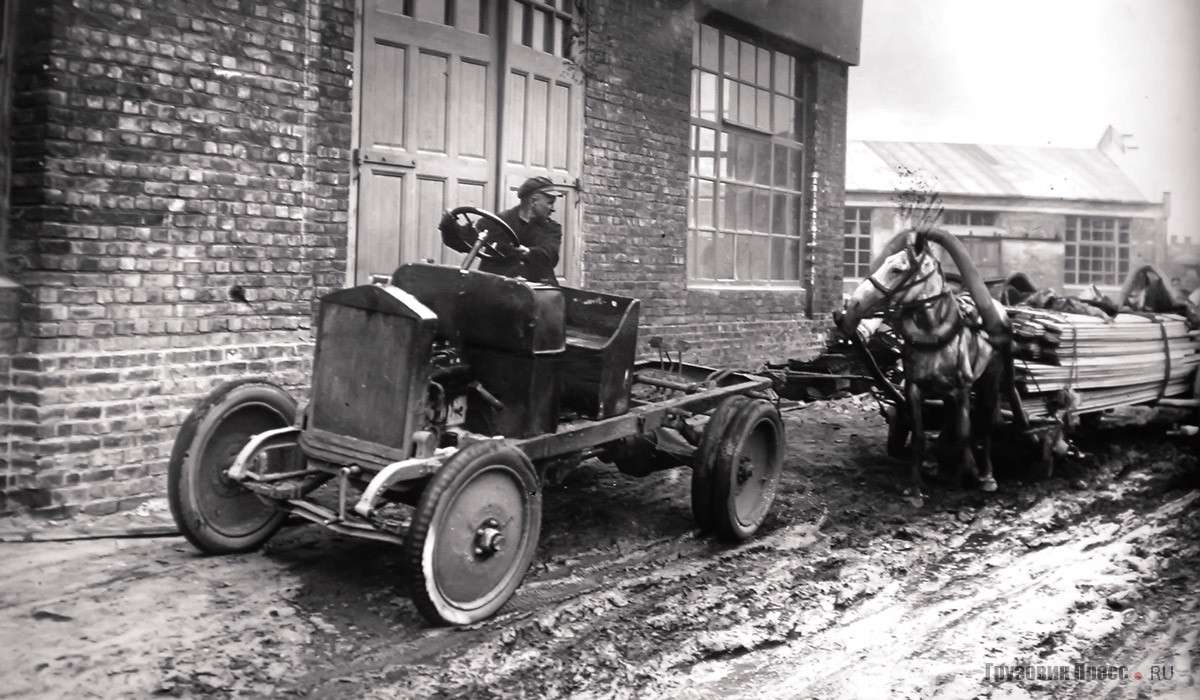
(690, 390)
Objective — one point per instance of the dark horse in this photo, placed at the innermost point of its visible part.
(947, 353)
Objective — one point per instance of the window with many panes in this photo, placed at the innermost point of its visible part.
(747, 162)
(542, 25)
(856, 247)
(1096, 251)
(953, 217)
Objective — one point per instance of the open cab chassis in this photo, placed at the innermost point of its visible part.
(440, 400)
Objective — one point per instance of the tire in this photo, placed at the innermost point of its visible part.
(702, 467)
(216, 515)
(747, 470)
(457, 570)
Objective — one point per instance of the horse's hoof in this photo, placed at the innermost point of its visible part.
(988, 485)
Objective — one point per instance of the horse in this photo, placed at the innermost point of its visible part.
(946, 353)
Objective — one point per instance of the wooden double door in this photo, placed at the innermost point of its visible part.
(459, 101)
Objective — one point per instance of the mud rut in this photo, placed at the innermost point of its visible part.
(848, 592)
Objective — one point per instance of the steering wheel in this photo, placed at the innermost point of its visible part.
(485, 244)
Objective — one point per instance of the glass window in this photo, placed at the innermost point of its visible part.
(856, 246)
(951, 217)
(1105, 257)
(746, 187)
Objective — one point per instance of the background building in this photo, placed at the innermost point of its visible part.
(165, 152)
(1066, 217)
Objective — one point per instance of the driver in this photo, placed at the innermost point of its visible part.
(540, 236)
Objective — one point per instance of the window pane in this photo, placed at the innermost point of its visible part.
(704, 204)
(431, 11)
(539, 30)
(779, 211)
(746, 62)
(763, 78)
(516, 21)
(468, 15)
(695, 110)
(785, 259)
(743, 156)
(753, 257)
(708, 96)
(780, 166)
(764, 111)
(724, 256)
(731, 56)
(745, 104)
(781, 122)
(745, 208)
(709, 40)
(762, 162)
(782, 84)
(731, 100)
(726, 207)
(706, 153)
(724, 155)
(761, 202)
(797, 169)
(705, 255)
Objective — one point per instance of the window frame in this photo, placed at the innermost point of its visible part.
(969, 217)
(751, 165)
(1081, 232)
(855, 220)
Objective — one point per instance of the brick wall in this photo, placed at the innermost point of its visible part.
(164, 151)
(638, 64)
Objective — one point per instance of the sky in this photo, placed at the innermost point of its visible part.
(1041, 72)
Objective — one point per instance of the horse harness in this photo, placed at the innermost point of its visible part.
(964, 313)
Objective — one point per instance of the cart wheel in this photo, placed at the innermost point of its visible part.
(473, 534)
(746, 470)
(897, 437)
(702, 466)
(216, 515)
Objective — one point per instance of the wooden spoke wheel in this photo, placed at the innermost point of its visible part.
(474, 534)
(746, 470)
(215, 514)
(706, 455)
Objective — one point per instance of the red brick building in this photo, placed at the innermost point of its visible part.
(159, 153)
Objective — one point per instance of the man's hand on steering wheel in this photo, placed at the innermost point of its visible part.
(497, 241)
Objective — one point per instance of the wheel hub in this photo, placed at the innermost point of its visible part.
(489, 539)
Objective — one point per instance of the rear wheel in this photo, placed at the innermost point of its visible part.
(747, 470)
(215, 514)
(706, 455)
(474, 534)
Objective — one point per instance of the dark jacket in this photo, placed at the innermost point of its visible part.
(542, 238)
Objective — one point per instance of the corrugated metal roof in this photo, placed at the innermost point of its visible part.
(987, 170)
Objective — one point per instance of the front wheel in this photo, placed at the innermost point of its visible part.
(474, 534)
(216, 515)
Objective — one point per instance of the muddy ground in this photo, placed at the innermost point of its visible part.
(849, 591)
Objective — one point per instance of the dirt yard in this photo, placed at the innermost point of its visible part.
(848, 592)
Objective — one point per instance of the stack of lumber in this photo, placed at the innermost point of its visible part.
(1123, 361)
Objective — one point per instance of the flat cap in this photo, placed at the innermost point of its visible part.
(539, 184)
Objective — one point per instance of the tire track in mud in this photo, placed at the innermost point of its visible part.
(684, 617)
(129, 619)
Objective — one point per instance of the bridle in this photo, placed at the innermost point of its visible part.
(909, 281)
